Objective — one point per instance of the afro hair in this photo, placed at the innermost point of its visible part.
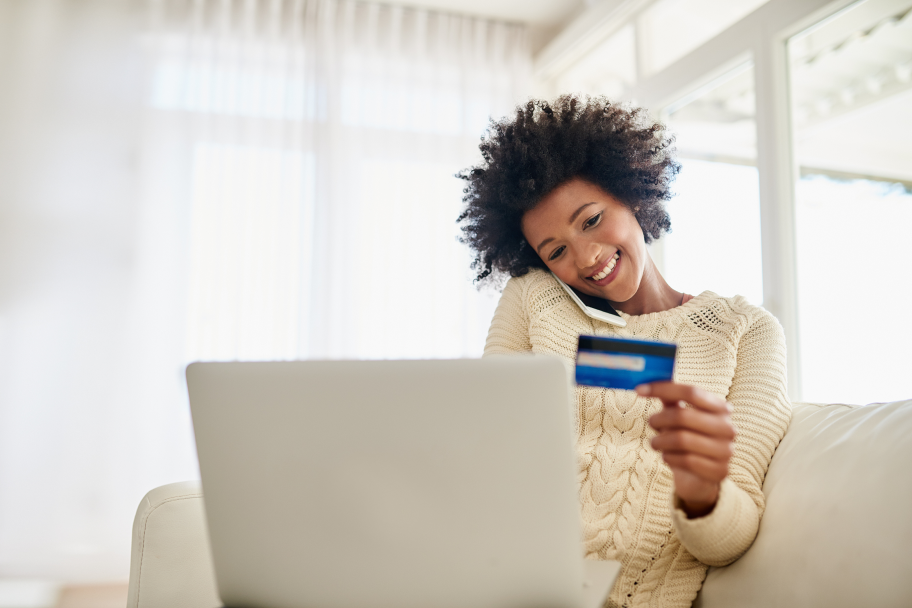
(543, 146)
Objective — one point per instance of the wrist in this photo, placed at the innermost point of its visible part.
(699, 507)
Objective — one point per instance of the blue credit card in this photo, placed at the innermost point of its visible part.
(623, 362)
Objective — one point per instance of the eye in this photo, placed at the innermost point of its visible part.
(556, 253)
(593, 221)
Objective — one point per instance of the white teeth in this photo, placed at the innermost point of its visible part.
(607, 270)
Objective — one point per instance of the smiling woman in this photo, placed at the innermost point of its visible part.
(544, 146)
(670, 475)
(593, 242)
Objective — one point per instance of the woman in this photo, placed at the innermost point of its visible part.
(670, 475)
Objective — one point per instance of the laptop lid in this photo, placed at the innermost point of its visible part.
(390, 484)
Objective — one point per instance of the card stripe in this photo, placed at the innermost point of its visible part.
(619, 345)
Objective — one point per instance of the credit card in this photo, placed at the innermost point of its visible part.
(623, 362)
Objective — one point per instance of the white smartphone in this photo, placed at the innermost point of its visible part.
(597, 308)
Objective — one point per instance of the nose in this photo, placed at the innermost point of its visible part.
(586, 254)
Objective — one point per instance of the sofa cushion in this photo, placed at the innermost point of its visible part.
(837, 530)
(170, 566)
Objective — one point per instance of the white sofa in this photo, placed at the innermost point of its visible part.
(837, 531)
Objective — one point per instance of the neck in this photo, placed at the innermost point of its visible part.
(654, 294)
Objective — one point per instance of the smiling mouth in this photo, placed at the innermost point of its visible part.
(608, 269)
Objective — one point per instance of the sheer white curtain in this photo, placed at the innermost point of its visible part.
(215, 179)
(322, 138)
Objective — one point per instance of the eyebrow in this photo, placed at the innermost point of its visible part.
(578, 211)
(572, 219)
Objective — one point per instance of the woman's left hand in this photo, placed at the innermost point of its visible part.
(696, 442)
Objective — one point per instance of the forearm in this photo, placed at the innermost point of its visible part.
(722, 536)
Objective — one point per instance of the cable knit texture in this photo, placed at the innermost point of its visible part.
(725, 345)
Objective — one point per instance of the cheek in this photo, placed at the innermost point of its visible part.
(628, 237)
(617, 234)
(565, 269)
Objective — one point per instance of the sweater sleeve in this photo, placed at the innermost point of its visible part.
(761, 414)
(509, 331)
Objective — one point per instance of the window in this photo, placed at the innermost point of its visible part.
(715, 217)
(792, 122)
(715, 243)
(851, 94)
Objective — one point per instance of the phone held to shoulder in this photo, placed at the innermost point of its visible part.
(596, 308)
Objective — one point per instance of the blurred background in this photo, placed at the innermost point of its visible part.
(274, 179)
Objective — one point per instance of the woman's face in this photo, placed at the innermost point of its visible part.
(589, 239)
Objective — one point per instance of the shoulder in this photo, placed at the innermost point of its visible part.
(738, 304)
(760, 322)
(537, 290)
(550, 319)
(732, 318)
(527, 296)
(534, 280)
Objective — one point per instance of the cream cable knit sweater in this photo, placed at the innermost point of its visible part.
(725, 345)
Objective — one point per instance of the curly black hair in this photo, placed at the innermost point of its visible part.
(546, 144)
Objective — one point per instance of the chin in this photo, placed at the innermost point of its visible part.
(619, 295)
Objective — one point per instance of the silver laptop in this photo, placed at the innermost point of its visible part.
(392, 484)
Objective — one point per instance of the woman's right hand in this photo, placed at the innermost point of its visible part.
(696, 442)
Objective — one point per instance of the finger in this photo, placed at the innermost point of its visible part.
(701, 466)
(687, 442)
(672, 392)
(712, 425)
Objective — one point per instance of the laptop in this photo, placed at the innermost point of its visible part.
(392, 484)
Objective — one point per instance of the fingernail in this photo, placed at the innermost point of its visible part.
(643, 389)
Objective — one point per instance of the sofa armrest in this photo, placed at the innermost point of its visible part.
(836, 532)
(170, 563)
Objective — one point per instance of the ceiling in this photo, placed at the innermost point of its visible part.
(544, 17)
(546, 12)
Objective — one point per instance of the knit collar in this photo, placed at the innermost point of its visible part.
(681, 311)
